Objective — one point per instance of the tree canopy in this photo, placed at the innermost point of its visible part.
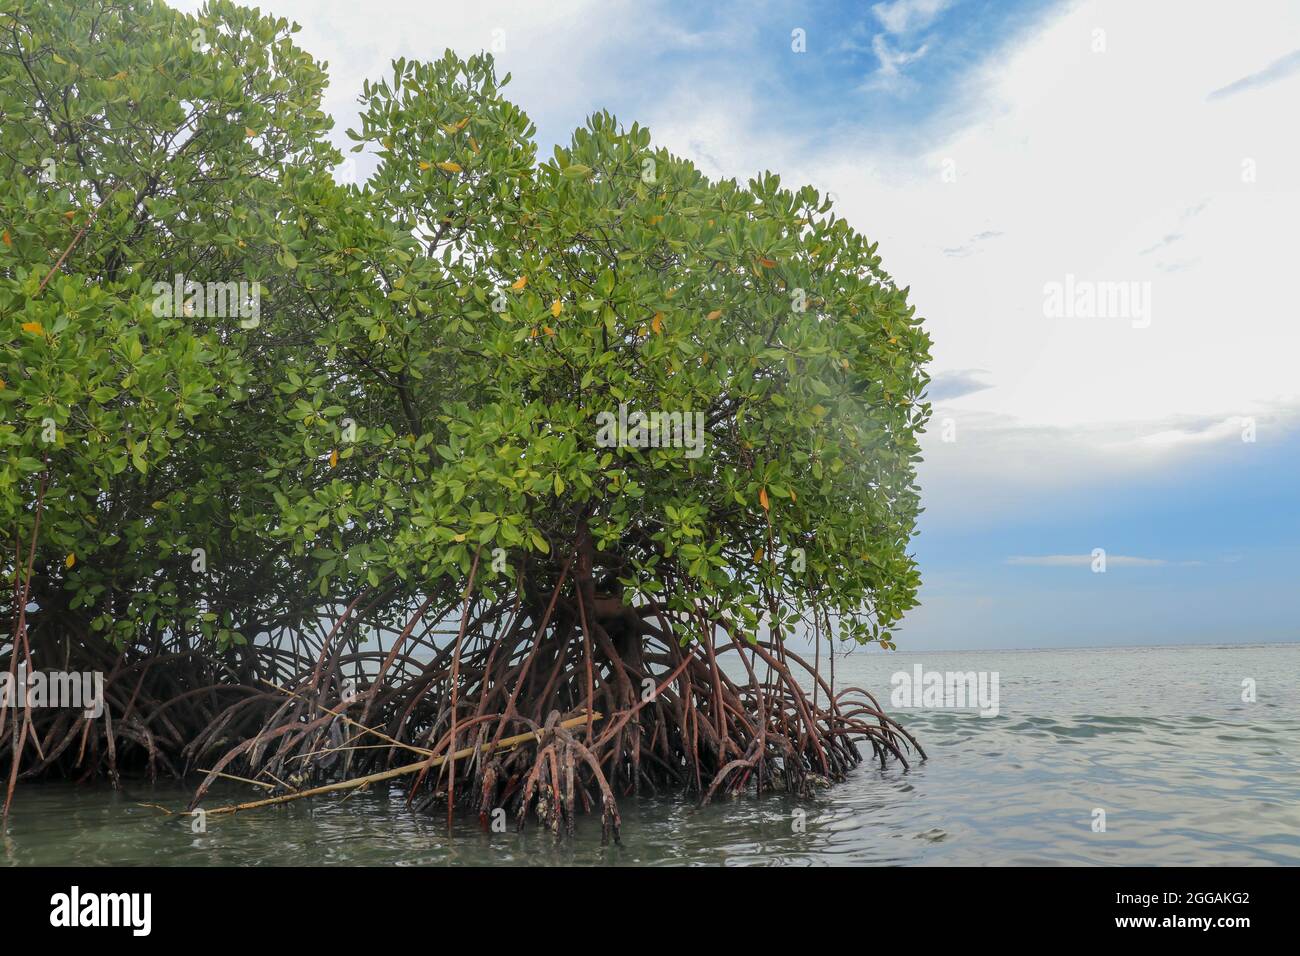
(418, 400)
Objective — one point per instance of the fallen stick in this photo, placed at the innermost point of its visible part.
(356, 782)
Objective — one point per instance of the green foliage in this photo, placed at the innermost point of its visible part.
(484, 309)
(132, 122)
(435, 345)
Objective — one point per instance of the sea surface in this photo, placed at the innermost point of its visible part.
(1159, 739)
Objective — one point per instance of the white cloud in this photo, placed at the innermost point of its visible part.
(891, 61)
(1085, 162)
(901, 16)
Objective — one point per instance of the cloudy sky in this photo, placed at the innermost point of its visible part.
(1096, 206)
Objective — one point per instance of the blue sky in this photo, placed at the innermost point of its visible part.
(850, 54)
(997, 150)
(1225, 533)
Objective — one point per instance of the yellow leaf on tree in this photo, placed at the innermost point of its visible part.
(425, 165)
(458, 537)
(767, 263)
(762, 498)
(249, 132)
(463, 123)
(473, 144)
(548, 330)
(334, 458)
(70, 560)
(520, 283)
(34, 327)
(532, 334)
(792, 495)
(758, 556)
(119, 75)
(714, 315)
(449, 167)
(556, 308)
(657, 323)
(655, 220)
(5, 238)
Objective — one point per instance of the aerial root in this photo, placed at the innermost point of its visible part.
(673, 718)
(546, 724)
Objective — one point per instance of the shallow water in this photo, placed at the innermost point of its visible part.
(1158, 738)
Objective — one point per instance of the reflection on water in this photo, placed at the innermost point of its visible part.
(1159, 738)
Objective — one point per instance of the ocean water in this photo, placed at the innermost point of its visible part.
(1159, 739)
